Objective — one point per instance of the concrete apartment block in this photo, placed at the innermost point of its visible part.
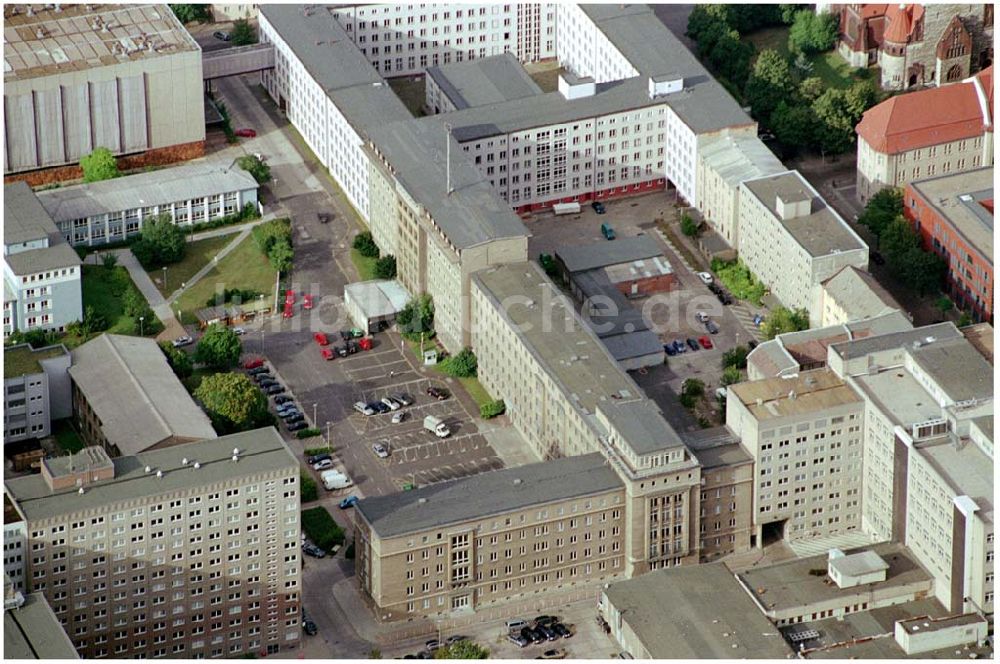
(36, 390)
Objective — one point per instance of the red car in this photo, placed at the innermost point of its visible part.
(288, 312)
(289, 297)
(246, 133)
(365, 344)
(307, 301)
(705, 342)
(327, 353)
(321, 339)
(254, 363)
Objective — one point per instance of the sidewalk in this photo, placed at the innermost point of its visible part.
(241, 234)
(172, 327)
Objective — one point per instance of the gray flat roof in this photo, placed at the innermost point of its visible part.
(884, 342)
(715, 447)
(957, 197)
(985, 424)
(965, 468)
(900, 395)
(261, 451)
(484, 81)
(160, 187)
(859, 293)
(378, 298)
(739, 158)
(696, 612)
(55, 256)
(856, 564)
(641, 425)
(790, 585)
(488, 494)
(32, 631)
(24, 217)
(580, 257)
(957, 367)
(135, 394)
(820, 233)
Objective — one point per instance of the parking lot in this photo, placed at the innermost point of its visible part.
(673, 315)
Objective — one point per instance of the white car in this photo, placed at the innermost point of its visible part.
(391, 403)
(323, 465)
(702, 317)
(363, 408)
(182, 341)
(239, 331)
(381, 450)
(705, 277)
(398, 417)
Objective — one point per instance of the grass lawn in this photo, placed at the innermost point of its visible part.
(364, 265)
(830, 67)
(244, 267)
(476, 390)
(410, 90)
(199, 254)
(738, 279)
(321, 528)
(97, 293)
(66, 436)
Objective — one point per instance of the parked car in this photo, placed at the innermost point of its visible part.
(711, 327)
(724, 297)
(555, 653)
(706, 278)
(702, 317)
(282, 398)
(516, 623)
(456, 638)
(391, 403)
(267, 382)
(562, 630)
(365, 343)
(679, 346)
(669, 349)
(182, 341)
(349, 348)
(381, 450)
(692, 344)
(294, 417)
(259, 369)
(289, 413)
(275, 389)
(545, 620)
(432, 645)
(296, 426)
(307, 302)
(219, 34)
(350, 501)
(316, 458)
(323, 465)
(518, 640)
(705, 342)
(353, 333)
(757, 320)
(312, 550)
(320, 338)
(398, 417)
(288, 312)
(327, 354)
(254, 363)
(598, 207)
(286, 405)
(246, 132)
(261, 377)
(364, 408)
(533, 634)
(380, 407)
(438, 393)
(402, 398)
(607, 232)
(309, 627)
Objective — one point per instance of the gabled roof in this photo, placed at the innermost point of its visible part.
(902, 19)
(929, 117)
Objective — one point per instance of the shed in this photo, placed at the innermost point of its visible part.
(374, 304)
(224, 315)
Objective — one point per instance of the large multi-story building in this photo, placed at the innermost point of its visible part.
(954, 216)
(922, 134)
(114, 210)
(41, 272)
(30, 628)
(191, 551)
(35, 390)
(80, 77)
(792, 240)
(477, 83)
(127, 399)
(852, 295)
(917, 44)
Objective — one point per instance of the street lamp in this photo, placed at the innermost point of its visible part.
(329, 443)
(164, 278)
(141, 318)
(314, 414)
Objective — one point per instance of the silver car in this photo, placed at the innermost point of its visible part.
(381, 450)
(363, 408)
(391, 403)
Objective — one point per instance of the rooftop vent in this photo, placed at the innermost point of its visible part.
(197, 465)
(80, 491)
(236, 457)
(31, 10)
(517, 481)
(665, 84)
(147, 469)
(421, 500)
(236, 451)
(184, 461)
(159, 474)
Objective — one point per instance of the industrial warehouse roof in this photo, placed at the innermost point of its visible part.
(472, 213)
(739, 158)
(135, 394)
(601, 254)
(484, 81)
(261, 451)
(168, 185)
(32, 631)
(74, 37)
(25, 220)
(962, 199)
(695, 612)
(859, 294)
(488, 494)
(820, 233)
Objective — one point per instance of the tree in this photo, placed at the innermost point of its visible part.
(881, 210)
(769, 82)
(219, 347)
(280, 256)
(803, 65)
(964, 320)
(365, 245)
(835, 127)
(133, 304)
(93, 321)
(794, 125)
(233, 402)
(782, 320)
(491, 409)
(731, 57)
(417, 317)
(188, 13)
(787, 13)
(812, 33)
(260, 171)
(99, 165)
(385, 267)
(109, 260)
(689, 226)
(267, 234)
(178, 360)
(693, 387)
(464, 649)
(735, 357)
(811, 88)
(160, 243)
(944, 304)
(731, 375)
(242, 33)
(462, 365)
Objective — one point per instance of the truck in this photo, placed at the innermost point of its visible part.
(335, 479)
(437, 426)
(566, 208)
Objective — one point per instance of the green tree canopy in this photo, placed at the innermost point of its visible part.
(178, 360)
(730, 376)
(689, 226)
(813, 33)
(462, 650)
(281, 255)
(267, 234)
(188, 13)
(233, 402)
(881, 210)
(99, 165)
(794, 125)
(242, 33)
(365, 245)
(417, 317)
(161, 242)
(260, 171)
(462, 365)
(219, 347)
(769, 82)
(385, 267)
(735, 357)
(918, 269)
(782, 320)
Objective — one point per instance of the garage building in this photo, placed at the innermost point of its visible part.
(369, 303)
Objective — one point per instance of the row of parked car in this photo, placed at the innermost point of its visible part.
(348, 347)
(434, 645)
(284, 405)
(394, 402)
(679, 346)
(541, 629)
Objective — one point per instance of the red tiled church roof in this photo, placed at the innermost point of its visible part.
(928, 117)
(901, 20)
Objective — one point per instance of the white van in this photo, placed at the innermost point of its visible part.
(335, 479)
